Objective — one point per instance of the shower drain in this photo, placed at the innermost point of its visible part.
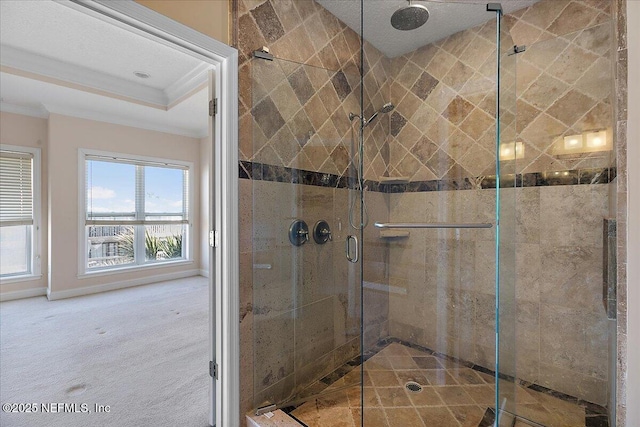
(413, 387)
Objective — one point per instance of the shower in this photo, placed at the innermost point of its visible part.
(444, 311)
(385, 109)
(409, 17)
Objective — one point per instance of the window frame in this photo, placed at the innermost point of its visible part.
(36, 230)
(83, 252)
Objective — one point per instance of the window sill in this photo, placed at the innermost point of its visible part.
(133, 268)
(18, 279)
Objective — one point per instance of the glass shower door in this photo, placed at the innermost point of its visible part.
(433, 363)
(306, 294)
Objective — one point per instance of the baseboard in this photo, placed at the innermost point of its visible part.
(120, 284)
(204, 273)
(26, 293)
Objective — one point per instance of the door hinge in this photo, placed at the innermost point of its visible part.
(213, 107)
(213, 369)
(214, 238)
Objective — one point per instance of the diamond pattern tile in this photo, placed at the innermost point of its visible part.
(268, 117)
(424, 85)
(304, 104)
(457, 110)
(562, 77)
(268, 22)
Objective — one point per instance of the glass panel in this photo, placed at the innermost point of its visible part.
(564, 120)
(15, 250)
(507, 151)
(429, 293)
(164, 242)
(306, 299)
(163, 190)
(110, 246)
(111, 190)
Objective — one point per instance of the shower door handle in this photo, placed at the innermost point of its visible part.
(354, 259)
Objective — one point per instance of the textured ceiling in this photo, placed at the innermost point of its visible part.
(446, 18)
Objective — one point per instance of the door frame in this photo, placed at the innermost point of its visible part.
(224, 272)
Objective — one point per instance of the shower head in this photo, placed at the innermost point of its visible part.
(386, 108)
(409, 17)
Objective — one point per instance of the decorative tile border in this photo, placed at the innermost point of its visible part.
(264, 172)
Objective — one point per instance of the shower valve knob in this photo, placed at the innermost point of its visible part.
(298, 233)
(322, 232)
(325, 232)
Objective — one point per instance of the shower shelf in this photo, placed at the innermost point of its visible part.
(393, 234)
(393, 179)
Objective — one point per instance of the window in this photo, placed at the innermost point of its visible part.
(19, 209)
(137, 212)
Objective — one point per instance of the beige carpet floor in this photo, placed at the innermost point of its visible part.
(142, 351)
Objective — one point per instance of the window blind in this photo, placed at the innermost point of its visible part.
(134, 162)
(16, 188)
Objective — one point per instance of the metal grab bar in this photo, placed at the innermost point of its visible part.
(432, 225)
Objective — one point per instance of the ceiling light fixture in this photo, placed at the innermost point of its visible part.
(141, 74)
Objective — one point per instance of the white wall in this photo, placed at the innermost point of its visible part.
(66, 135)
(27, 131)
(633, 218)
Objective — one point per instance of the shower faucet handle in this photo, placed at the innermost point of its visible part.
(322, 232)
(326, 232)
(298, 233)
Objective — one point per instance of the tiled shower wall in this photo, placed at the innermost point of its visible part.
(449, 278)
(445, 92)
(296, 115)
(306, 300)
(619, 209)
(443, 129)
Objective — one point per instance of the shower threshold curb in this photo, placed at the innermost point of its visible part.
(279, 419)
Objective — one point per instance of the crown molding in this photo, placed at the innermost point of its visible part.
(187, 84)
(39, 112)
(52, 68)
(89, 80)
(122, 121)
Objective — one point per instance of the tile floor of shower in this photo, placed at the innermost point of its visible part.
(453, 395)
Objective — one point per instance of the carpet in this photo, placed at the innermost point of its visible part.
(142, 351)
